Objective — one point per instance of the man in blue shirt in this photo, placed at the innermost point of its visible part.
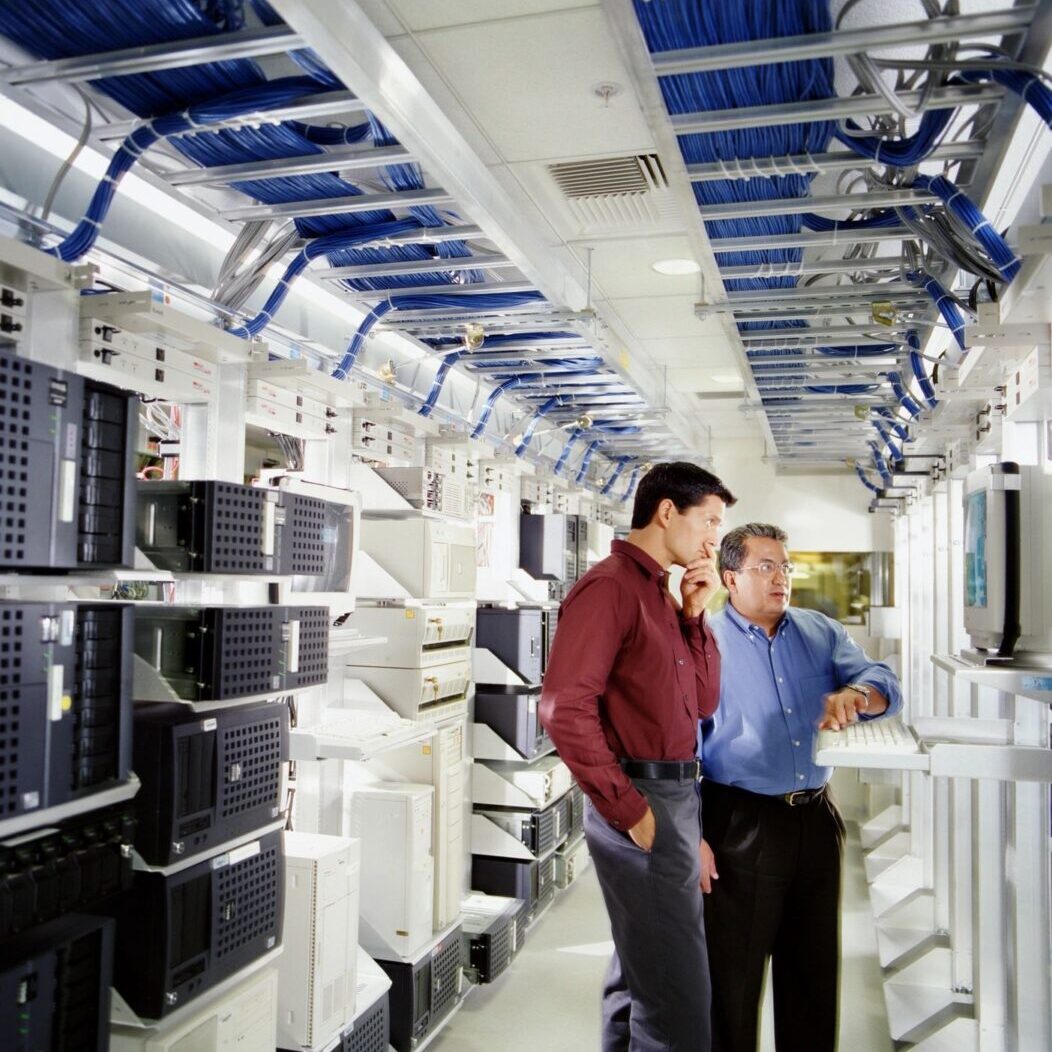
(773, 838)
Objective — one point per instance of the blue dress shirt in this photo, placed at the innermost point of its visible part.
(761, 737)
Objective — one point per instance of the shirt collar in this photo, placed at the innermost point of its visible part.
(747, 626)
(649, 565)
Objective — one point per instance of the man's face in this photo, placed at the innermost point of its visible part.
(757, 595)
(690, 530)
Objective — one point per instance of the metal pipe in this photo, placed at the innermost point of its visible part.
(337, 159)
(809, 239)
(329, 206)
(448, 289)
(247, 43)
(765, 52)
(828, 203)
(812, 163)
(417, 266)
(810, 267)
(833, 109)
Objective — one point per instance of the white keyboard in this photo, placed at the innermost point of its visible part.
(351, 734)
(872, 743)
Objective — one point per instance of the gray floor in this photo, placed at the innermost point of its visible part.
(549, 998)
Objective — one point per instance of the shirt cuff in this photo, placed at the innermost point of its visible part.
(624, 812)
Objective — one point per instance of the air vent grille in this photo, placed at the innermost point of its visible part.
(610, 176)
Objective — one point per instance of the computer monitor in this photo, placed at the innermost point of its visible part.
(1007, 606)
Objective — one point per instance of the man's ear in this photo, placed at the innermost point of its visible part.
(728, 581)
(664, 511)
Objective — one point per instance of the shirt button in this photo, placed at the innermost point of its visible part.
(797, 744)
(800, 776)
(788, 712)
(680, 661)
(780, 680)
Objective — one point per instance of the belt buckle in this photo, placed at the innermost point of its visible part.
(791, 798)
(697, 769)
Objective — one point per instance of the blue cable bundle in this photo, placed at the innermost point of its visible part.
(305, 58)
(894, 450)
(907, 403)
(586, 460)
(622, 463)
(962, 208)
(631, 487)
(493, 301)
(865, 481)
(880, 464)
(943, 300)
(893, 422)
(919, 371)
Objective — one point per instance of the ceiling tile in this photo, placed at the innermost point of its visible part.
(529, 83)
(664, 317)
(707, 350)
(434, 14)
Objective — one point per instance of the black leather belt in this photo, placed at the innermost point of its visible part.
(657, 770)
(802, 796)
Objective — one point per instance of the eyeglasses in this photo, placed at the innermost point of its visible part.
(767, 568)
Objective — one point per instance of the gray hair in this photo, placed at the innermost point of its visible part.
(732, 549)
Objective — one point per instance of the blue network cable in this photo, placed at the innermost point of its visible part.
(902, 394)
(944, 301)
(632, 482)
(622, 463)
(586, 460)
(865, 481)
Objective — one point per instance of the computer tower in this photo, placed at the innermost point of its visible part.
(55, 986)
(319, 960)
(67, 478)
(182, 933)
(205, 780)
(491, 934)
(242, 1020)
(65, 709)
(574, 803)
(440, 761)
(511, 712)
(424, 990)
(549, 623)
(75, 865)
(430, 559)
(415, 635)
(516, 637)
(219, 653)
(393, 822)
(438, 692)
(542, 545)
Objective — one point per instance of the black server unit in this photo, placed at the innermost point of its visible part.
(492, 939)
(371, 1032)
(228, 528)
(78, 864)
(209, 527)
(511, 712)
(532, 880)
(205, 780)
(224, 652)
(55, 986)
(542, 541)
(423, 991)
(316, 540)
(182, 933)
(67, 473)
(516, 637)
(65, 709)
(582, 534)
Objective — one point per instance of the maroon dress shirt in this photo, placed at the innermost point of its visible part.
(628, 677)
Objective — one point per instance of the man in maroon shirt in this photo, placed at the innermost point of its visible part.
(630, 674)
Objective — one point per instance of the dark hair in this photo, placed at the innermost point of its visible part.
(681, 482)
(732, 548)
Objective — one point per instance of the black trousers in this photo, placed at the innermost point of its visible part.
(656, 994)
(778, 897)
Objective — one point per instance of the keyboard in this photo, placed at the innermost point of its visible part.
(351, 733)
(887, 744)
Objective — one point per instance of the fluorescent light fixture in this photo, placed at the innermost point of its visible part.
(676, 267)
(726, 377)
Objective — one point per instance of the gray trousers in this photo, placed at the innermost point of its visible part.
(657, 992)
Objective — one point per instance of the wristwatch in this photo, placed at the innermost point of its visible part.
(859, 688)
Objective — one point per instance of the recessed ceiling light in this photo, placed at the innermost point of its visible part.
(676, 266)
(727, 377)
